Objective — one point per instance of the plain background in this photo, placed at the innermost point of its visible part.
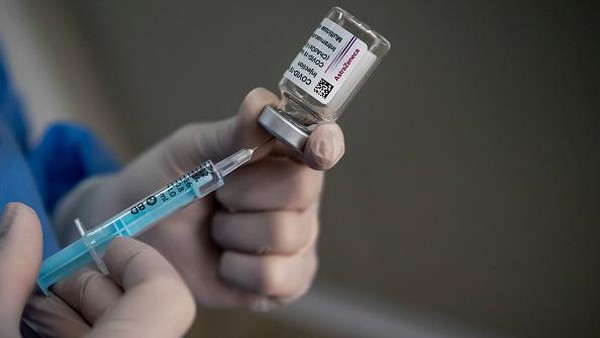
(470, 183)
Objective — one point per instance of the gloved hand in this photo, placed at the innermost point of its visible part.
(144, 294)
(253, 242)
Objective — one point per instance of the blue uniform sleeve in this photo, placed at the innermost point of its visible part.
(68, 154)
(40, 176)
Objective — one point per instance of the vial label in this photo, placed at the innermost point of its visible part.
(326, 61)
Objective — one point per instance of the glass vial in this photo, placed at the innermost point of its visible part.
(324, 77)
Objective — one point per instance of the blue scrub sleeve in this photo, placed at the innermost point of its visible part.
(40, 176)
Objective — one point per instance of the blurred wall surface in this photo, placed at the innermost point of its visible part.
(470, 186)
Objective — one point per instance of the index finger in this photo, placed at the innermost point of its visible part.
(155, 302)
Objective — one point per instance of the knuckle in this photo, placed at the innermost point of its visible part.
(124, 252)
(308, 278)
(81, 285)
(254, 92)
(289, 238)
(303, 285)
(258, 93)
(305, 188)
(272, 279)
(255, 101)
(83, 278)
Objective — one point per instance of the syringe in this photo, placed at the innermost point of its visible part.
(197, 183)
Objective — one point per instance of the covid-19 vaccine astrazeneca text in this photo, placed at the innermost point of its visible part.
(328, 71)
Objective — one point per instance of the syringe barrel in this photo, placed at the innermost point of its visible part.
(131, 222)
(178, 194)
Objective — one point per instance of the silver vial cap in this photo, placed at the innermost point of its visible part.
(285, 130)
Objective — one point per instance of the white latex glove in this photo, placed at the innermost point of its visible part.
(253, 242)
(143, 297)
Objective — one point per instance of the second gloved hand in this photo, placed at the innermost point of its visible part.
(143, 297)
(253, 242)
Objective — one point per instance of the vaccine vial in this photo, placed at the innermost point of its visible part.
(327, 73)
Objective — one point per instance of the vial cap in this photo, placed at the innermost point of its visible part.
(283, 129)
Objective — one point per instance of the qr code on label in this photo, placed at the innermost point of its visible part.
(323, 88)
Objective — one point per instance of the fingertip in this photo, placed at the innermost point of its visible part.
(325, 146)
(18, 212)
(274, 276)
(255, 101)
(22, 218)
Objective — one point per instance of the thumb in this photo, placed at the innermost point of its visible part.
(195, 143)
(20, 257)
(199, 142)
(187, 148)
